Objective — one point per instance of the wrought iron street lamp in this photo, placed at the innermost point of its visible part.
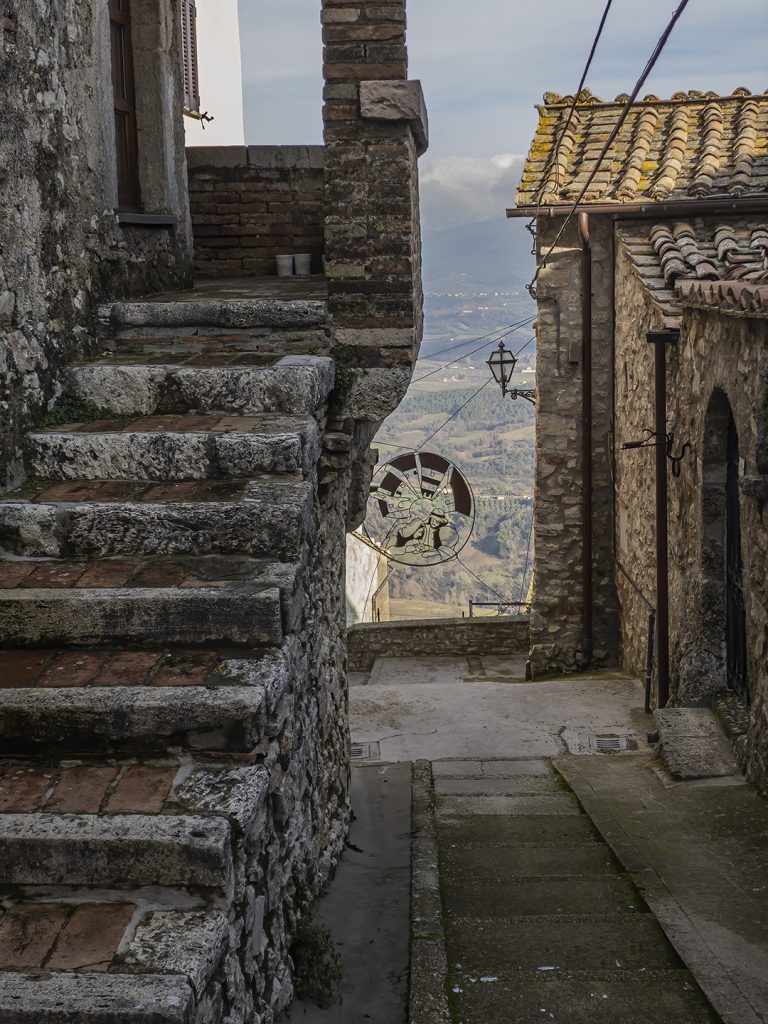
(502, 365)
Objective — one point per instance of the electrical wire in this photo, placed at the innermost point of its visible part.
(453, 415)
(574, 104)
(527, 558)
(612, 137)
(488, 586)
(466, 355)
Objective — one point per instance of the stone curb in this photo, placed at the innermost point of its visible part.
(679, 927)
(428, 1000)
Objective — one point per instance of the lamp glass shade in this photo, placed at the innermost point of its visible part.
(502, 365)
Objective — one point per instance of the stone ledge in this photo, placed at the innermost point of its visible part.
(502, 635)
(397, 101)
(275, 158)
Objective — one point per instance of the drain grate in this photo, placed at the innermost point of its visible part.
(612, 744)
(370, 751)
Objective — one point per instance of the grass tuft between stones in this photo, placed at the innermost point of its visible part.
(71, 408)
(317, 973)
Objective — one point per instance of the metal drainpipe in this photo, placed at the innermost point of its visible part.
(660, 340)
(586, 440)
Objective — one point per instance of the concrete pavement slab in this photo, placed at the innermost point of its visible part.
(367, 907)
(699, 853)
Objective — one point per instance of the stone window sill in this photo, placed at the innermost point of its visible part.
(147, 220)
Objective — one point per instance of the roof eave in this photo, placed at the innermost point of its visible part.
(651, 208)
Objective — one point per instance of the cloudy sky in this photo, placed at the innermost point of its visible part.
(485, 64)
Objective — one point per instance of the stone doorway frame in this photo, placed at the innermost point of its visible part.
(719, 421)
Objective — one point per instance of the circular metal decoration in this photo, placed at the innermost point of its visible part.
(421, 510)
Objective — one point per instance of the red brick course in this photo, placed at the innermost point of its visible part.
(28, 932)
(143, 789)
(23, 787)
(81, 789)
(91, 936)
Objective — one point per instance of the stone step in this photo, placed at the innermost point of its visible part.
(206, 600)
(192, 600)
(106, 700)
(501, 898)
(143, 383)
(186, 311)
(108, 959)
(117, 851)
(597, 941)
(190, 826)
(261, 517)
(581, 997)
(173, 448)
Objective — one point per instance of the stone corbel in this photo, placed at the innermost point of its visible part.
(397, 101)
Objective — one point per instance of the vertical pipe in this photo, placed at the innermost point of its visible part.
(649, 660)
(660, 339)
(586, 440)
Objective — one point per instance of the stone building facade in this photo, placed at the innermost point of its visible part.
(672, 233)
(181, 468)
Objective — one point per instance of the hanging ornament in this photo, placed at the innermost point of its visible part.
(421, 510)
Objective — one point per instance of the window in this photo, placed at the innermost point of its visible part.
(189, 45)
(126, 142)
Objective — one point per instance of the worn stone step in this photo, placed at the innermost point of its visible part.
(262, 517)
(191, 311)
(146, 383)
(172, 448)
(95, 998)
(238, 614)
(596, 941)
(520, 897)
(159, 964)
(494, 830)
(117, 851)
(581, 997)
(104, 700)
(522, 802)
(526, 861)
(210, 599)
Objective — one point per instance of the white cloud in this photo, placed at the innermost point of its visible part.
(462, 189)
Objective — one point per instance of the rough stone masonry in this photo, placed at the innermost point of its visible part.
(174, 750)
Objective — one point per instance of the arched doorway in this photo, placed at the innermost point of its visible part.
(721, 556)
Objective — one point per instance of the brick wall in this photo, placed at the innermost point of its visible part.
(375, 129)
(252, 203)
(505, 635)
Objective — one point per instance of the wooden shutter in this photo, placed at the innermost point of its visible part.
(124, 103)
(189, 46)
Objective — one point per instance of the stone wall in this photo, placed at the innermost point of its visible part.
(62, 247)
(719, 364)
(250, 204)
(556, 615)
(505, 635)
(375, 129)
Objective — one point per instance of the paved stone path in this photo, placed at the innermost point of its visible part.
(542, 923)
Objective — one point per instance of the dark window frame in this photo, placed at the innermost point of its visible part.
(124, 105)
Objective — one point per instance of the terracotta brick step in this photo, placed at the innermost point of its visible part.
(106, 962)
(146, 383)
(171, 448)
(105, 700)
(268, 516)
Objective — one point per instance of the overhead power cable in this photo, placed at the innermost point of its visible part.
(501, 331)
(575, 101)
(616, 129)
(479, 579)
(466, 355)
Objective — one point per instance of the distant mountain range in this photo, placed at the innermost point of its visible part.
(486, 255)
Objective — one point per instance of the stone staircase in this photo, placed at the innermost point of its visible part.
(169, 779)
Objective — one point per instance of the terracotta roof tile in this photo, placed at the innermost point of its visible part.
(702, 263)
(691, 146)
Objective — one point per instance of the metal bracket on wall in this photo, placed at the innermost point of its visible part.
(649, 441)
